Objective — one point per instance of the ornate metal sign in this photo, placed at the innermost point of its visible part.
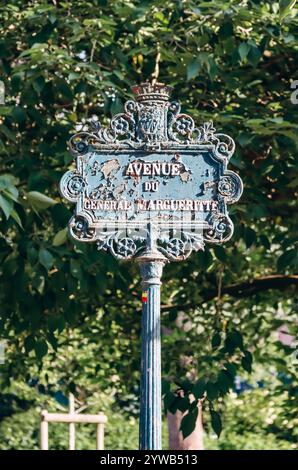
(154, 187)
(151, 165)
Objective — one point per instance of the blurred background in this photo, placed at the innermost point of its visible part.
(70, 315)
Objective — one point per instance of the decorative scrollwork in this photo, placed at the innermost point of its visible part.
(126, 247)
(184, 125)
(72, 185)
(230, 187)
(221, 229)
(225, 146)
(121, 247)
(176, 247)
(206, 133)
(75, 185)
(122, 125)
(79, 143)
(151, 120)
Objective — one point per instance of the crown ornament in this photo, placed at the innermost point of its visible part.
(152, 91)
(149, 121)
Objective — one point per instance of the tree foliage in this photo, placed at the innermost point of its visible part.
(62, 63)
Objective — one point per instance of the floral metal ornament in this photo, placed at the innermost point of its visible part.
(152, 167)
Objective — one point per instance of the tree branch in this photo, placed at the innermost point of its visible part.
(242, 289)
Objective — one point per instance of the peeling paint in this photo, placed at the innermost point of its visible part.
(110, 166)
(131, 192)
(185, 176)
(119, 190)
(209, 184)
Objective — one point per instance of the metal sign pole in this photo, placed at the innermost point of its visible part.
(151, 266)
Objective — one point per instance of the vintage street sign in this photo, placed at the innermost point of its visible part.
(151, 165)
(154, 187)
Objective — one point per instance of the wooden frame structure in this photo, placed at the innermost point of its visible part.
(72, 417)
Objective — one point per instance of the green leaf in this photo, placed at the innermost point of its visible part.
(11, 192)
(5, 110)
(183, 403)
(45, 258)
(287, 259)
(6, 205)
(233, 340)
(204, 258)
(39, 84)
(254, 55)
(38, 282)
(171, 402)
(246, 361)
(18, 114)
(226, 29)
(75, 269)
(186, 385)
(249, 237)
(188, 423)
(199, 388)
(39, 201)
(243, 50)
(169, 399)
(265, 242)
(212, 391)
(237, 338)
(7, 181)
(61, 237)
(220, 253)
(41, 348)
(16, 217)
(165, 386)
(231, 368)
(193, 69)
(223, 382)
(216, 422)
(216, 340)
(64, 90)
(193, 405)
(57, 323)
(29, 343)
(72, 387)
(9, 134)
